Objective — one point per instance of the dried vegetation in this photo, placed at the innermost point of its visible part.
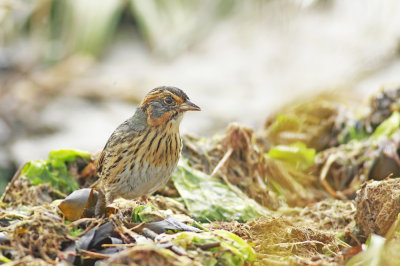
(280, 196)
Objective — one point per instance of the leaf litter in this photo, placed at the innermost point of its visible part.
(316, 186)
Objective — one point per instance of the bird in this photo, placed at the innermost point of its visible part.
(141, 154)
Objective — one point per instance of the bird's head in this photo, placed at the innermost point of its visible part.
(164, 104)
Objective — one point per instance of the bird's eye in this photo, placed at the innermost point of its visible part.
(168, 100)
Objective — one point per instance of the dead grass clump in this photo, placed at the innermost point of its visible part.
(148, 255)
(276, 238)
(243, 164)
(316, 122)
(239, 161)
(344, 168)
(40, 236)
(378, 206)
(235, 158)
(21, 192)
(240, 229)
(297, 188)
(328, 215)
(28, 261)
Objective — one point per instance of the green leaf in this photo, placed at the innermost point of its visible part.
(54, 170)
(208, 199)
(75, 231)
(59, 157)
(146, 213)
(352, 131)
(285, 123)
(4, 259)
(387, 127)
(231, 249)
(296, 154)
(238, 245)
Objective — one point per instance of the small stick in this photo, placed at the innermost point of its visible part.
(122, 230)
(324, 173)
(94, 255)
(118, 245)
(11, 183)
(82, 220)
(222, 161)
(137, 226)
(297, 243)
(209, 245)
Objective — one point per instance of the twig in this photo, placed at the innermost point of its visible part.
(90, 226)
(122, 230)
(94, 255)
(118, 245)
(137, 226)
(82, 220)
(324, 172)
(297, 243)
(6, 247)
(272, 261)
(11, 183)
(222, 161)
(209, 245)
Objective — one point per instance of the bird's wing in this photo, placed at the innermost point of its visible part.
(115, 150)
(101, 161)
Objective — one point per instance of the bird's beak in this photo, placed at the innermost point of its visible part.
(188, 106)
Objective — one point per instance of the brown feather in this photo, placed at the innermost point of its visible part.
(142, 152)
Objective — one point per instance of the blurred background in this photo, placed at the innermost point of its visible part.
(72, 70)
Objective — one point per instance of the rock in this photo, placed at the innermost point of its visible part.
(377, 205)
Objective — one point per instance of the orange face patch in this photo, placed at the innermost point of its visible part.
(158, 121)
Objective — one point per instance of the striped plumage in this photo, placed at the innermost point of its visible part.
(142, 152)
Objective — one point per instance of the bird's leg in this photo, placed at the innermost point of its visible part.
(146, 199)
(100, 208)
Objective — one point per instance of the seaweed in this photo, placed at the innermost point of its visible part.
(54, 170)
(208, 199)
(296, 154)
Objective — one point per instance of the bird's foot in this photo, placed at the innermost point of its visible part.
(100, 209)
(145, 199)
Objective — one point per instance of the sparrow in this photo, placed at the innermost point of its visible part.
(141, 154)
